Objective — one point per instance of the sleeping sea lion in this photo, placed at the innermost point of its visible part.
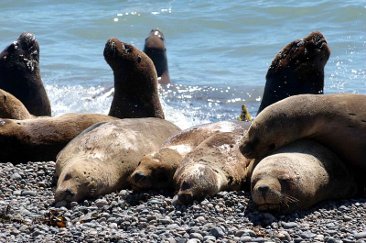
(41, 138)
(155, 49)
(101, 159)
(299, 175)
(156, 170)
(337, 121)
(215, 165)
(297, 69)
(20, 74)
(11, 107)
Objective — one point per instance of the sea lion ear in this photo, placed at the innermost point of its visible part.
(139, 59)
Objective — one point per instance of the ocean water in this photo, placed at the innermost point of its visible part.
(218, 51)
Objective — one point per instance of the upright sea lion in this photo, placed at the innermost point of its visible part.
(155, 49)
(215, 165)
(156, 170)
(135, 82)
(297, 69)
(101, 159)
(338, 121)
(41, 138)
(11, 107)
(20, 74)
(298, 176)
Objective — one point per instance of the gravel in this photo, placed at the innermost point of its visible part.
(27, 214)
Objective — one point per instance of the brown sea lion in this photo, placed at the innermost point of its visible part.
(299, 175)
(337, 120)
(215, 165)
(297, 69)
(101, 159)
(155, 49)
(156, 170)
(20, 74)
(135, 82)
(11, 107)
(41, 138)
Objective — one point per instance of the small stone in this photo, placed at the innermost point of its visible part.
(217, 232)
(16, 176)
(284, 235)
(193, 241)
(113, 226)
(307, 235)
(101, 202)
(196, 236)
(288, 225)
(360, 235)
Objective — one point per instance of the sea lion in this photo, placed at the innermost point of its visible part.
(41, 138)
(215, 165)
(297, 69)
(135, 82)
(155, 49)
(20, 74)
(101, 159)
(299, 175)
(336, 120)
(11, 107)
(156, 170)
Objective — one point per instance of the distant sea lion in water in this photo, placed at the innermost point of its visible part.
(11, 107)
(156, 50)
(338, 121)
(215, 165)
(101, 159)
(299, 175)
(297, 69)
(20, 74)
(135, 82)
(156, 170)
(41, 138)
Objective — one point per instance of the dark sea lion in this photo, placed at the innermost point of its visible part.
(41, 138)
(337, 121)
(20, 74)
(215, 165)
(156, 170)
(11, 107)
(297, 69)
(135, 82)
(299, 175)
(100, 160)
(155, 49)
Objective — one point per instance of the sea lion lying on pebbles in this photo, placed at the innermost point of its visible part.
(214, 165)
(41, 138)
(297, 69)
(156, 170)
(11, 107)
(20, 74)
(101, 159)
(299, 175)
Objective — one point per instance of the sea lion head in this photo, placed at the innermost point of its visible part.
(80, 179)
(274, 186)
(297, 69)
(300, 60)
(195, 182)
(156, 50)
(126, 58)
(21, 56)
(155, 171)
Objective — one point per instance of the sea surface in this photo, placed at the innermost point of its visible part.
(218, 51)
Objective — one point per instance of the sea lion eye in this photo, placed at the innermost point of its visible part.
(139, 59)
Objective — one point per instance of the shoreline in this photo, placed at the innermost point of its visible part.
(27, 215)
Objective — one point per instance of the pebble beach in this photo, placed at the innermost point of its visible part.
(28, 214)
